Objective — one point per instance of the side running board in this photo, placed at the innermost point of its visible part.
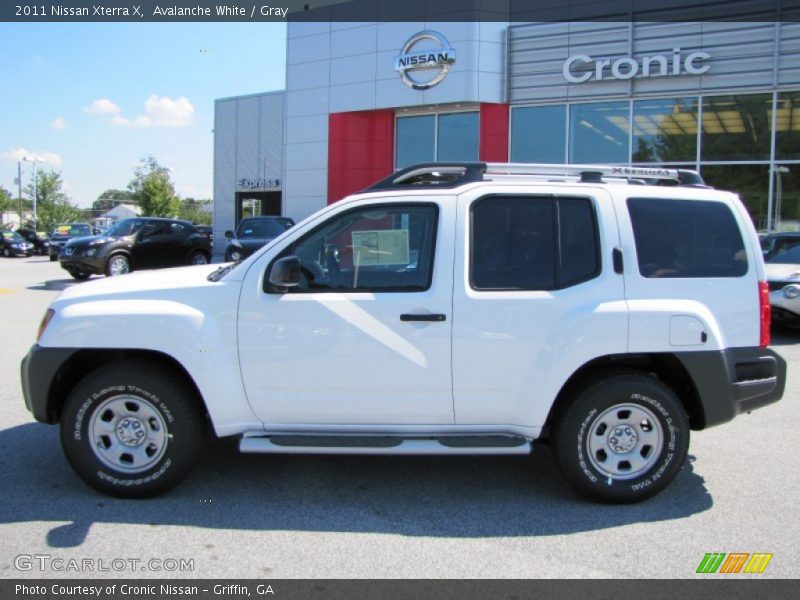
(363, 444)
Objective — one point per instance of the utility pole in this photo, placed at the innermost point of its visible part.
(19, 189)
(35, 160)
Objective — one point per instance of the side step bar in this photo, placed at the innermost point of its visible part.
(363, 444)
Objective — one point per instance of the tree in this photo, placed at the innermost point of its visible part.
(6, 202)
(196, 211)
(153, 190)
(53, 206)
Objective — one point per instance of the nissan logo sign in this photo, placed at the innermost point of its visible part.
(438, 60)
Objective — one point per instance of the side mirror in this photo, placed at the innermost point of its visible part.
(285, 274)
(229, 234)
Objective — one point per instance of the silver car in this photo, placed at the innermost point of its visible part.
(783, 275)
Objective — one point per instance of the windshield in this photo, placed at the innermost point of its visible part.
(123, 228)
(790, 257)
(74, 229)
(12, 236)
(263, 228)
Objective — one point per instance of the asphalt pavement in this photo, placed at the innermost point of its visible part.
(399, 517)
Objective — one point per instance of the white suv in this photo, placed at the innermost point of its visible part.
(449, 309)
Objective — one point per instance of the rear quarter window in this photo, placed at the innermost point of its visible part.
(686, 238)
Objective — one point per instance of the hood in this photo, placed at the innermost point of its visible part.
(159, 283)
(779, 272)
(91, 240)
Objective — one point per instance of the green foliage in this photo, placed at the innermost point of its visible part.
(196, 211)
(53, 206)
(153, 190)
(6, 202)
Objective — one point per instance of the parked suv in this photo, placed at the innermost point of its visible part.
(64, 233)
(139, 243)
(450, 309)
(252, 234)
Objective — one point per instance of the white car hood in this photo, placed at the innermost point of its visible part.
(142, 284)
(779, 272)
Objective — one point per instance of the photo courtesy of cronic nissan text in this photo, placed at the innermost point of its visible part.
(358, 299)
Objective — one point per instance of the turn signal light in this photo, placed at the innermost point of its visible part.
(48, 316)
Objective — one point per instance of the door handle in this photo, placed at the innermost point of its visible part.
(419, 318)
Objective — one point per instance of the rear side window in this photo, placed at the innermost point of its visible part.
(686, 238)
(532, 243)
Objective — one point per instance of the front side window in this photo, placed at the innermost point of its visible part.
(686, 238)
(532, 243)
(373, 249)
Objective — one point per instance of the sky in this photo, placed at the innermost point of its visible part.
(91, 99)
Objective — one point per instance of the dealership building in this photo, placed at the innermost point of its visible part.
(365, 98)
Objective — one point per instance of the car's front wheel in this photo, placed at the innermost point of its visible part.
(118, 264)
(132, 429)
(622, 439)
(6, 252)
(80, 275)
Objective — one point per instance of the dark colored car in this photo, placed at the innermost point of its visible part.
(778, 243)
(207, 231)
(64, 233)
(252, 234)
(13, 244)
(39, 239)
(138, 243)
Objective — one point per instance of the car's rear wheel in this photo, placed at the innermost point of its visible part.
(118, 264)
(6, 252)
(622, 439)
(132, 429)
(198, 257)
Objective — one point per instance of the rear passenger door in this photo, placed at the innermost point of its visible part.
(535, 297)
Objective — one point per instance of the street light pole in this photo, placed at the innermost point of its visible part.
(35, 160)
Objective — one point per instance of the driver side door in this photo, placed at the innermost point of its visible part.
(365, 338)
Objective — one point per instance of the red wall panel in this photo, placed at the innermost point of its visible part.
(494, 133)
(360, 150)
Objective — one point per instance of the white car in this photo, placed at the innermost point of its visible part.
(449, 309)
(783, 275)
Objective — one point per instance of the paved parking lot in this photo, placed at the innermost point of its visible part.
(331, 517)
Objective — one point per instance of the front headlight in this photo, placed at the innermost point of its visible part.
(235, 255)
(48, 316)
(791, 291)
(91, 252)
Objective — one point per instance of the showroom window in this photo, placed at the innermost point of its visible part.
(532, 243)
(539, 134)
(442, 137)
(787, 126)
(599, 132)
(736, 128)
(665, 130)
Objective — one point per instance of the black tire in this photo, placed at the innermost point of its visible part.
(115, 257)
(6, 253)
(194, 258)
(80, 275)
(53, 258)
(171, 421)
(605, 468)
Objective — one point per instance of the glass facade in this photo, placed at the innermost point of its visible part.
(443, 137)
(747, 143)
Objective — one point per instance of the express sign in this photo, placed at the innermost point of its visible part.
(581, 67)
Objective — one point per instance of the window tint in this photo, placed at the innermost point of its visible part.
(686, 238)
(530, 243)
(382, 248)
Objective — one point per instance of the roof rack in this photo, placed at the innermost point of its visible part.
(452, 174)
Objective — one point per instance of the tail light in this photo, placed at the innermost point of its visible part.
(763, 300)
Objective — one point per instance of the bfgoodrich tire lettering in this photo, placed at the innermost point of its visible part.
(132, 429)
(622, 439)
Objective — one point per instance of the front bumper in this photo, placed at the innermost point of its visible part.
(20, 252)
(93, 264)
(40, 371)
(734, 381)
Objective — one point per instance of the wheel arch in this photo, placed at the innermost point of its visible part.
(665, 366)
(84, 361)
